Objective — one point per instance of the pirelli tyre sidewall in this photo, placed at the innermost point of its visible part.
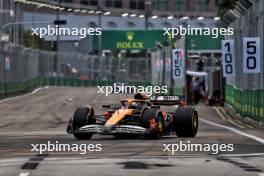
(148, 117)
(82, 116)
(185, 122)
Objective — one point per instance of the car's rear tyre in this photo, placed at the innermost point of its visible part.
(82, 116)
(185, 122)
(153, 116)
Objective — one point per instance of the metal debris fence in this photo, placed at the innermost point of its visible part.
(245, 92)
(22, 69)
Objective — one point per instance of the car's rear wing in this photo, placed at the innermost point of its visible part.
(167, 100)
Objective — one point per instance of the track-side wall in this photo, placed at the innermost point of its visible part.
(245, 92)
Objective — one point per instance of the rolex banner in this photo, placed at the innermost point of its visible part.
(129, 39)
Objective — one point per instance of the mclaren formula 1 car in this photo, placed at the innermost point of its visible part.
(135, 117)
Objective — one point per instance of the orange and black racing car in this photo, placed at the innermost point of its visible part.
(134, 117)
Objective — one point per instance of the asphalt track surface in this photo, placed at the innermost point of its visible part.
(42, 116)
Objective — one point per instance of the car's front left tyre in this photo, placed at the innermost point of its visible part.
(82, 116)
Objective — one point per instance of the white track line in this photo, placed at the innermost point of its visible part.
(241, 155)
(36, 90)
(256, 138)
(24, 174)
(20, 96)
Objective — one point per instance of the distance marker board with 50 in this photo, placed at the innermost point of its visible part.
(251, 55)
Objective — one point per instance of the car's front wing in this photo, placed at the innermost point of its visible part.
(120, 129)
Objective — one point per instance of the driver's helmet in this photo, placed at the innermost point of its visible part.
(135, 105)
(141, 96)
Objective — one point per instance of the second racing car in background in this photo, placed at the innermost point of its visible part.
(135, 117)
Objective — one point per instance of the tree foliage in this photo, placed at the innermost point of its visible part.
(35, 42)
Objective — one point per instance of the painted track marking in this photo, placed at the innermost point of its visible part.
(24, 174)
(237, 121)
(241, 155)
(20, 96)
(256, 138)
(220, 114)
(220, 111)
(227, 118)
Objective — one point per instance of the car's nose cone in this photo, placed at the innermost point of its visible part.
(107, 129)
